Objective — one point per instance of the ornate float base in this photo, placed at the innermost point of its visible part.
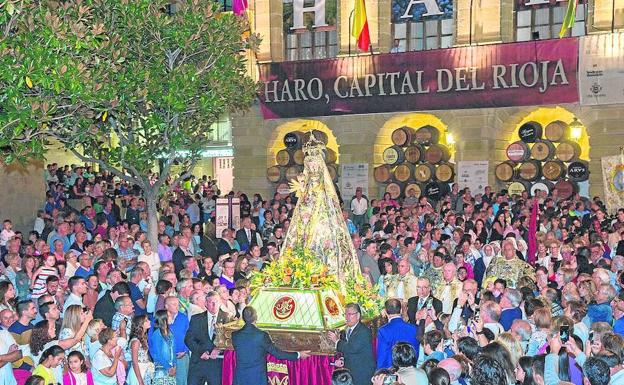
(296, 319)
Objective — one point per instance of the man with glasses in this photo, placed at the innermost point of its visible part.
(422, 300)
(355, 343)
(122, 320)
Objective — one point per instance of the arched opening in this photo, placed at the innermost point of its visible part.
(285, 155)
(414, 152)
(547, 149)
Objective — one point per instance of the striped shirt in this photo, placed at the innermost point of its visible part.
(39, 287)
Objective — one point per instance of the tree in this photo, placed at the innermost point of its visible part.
(120, 83)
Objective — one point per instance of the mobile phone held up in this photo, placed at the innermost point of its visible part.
(390, 379)
(564, 333)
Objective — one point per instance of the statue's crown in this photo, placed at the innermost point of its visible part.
(313, 145)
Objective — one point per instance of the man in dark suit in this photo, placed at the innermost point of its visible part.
(423, 300)
(355, 343)
(396, 330)
(180, 253)
(206, 360)
(246, 237)
(252, 345)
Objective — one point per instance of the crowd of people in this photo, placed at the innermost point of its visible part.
(479, 287)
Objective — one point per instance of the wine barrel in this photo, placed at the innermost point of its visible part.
(568, 151)
(283, 189)
(318, 135)
(393, 155)
(402, 136)
(518, 151)
(293, 139)
(529, 170)
(543, 150)
(382, 174)
(435, 190)
(445, 172)
(530, 132)
(395, 189)
(566, 188)
(414, 153)
(292, 172)
(330, 156)
(553, 170)
(557, 131)
(505, 171)
(298, 156)
(437, 153)
(403, 172)
(424, 172)
(427, 135)
(518, 187)
(283, 158)
(543, 185)
(578, 171)
(333, 173)
(413, 186)
(275, 174)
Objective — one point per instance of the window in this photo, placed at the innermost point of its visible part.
(307, 45)
(544, 21)
(419, 26)
(424, 35)
(221, 130)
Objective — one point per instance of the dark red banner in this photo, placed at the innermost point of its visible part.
(500, 75)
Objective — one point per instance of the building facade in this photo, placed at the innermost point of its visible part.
(461, 40)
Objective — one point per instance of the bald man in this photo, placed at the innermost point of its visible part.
(453, 368)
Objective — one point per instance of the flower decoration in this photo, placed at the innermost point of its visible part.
(299, 268)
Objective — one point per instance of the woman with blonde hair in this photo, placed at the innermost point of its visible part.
(73, 328)
(71, 264)
(513, 346)
(587, 290)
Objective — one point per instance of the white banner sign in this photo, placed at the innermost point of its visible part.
(473, 174)
(601, 69)
(228, 214)
(353, 175)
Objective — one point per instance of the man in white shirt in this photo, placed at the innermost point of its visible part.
(9, 352)
(77, 287)
(359, 206)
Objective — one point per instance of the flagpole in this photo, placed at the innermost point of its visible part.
(350, 26)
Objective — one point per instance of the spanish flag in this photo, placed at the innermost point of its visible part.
(360, 26)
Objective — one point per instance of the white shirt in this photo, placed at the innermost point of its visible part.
(153, 260)
(6, 371)
(72, 299)
(359, 207)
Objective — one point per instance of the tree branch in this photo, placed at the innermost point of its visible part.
(104, 165)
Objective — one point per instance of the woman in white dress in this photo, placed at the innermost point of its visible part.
(141, 369)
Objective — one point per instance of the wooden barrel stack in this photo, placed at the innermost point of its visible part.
(289, 160)
(545, 158)
(415, 162)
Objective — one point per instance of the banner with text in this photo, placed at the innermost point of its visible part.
(502, 75)
(473, 174)
(601, 69)
(352, 176)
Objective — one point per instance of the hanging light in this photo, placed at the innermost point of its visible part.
(576, 129)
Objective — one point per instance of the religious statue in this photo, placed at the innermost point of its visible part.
(317, 223)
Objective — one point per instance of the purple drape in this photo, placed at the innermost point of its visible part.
(315, 370)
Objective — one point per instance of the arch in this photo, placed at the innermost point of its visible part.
(414, 120)
(545, 115)
(277, 142)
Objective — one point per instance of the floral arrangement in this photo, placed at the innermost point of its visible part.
(299, 268)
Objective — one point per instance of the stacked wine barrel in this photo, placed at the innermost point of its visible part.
(545, 158)
(416, 161)
(290, 159)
